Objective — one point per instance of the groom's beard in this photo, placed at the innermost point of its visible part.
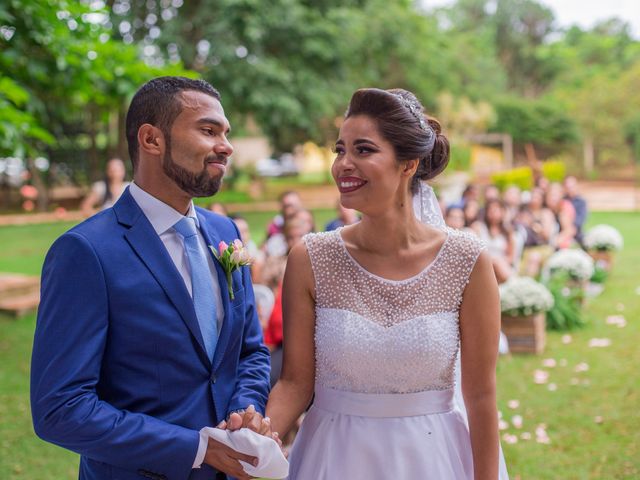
(200, 184)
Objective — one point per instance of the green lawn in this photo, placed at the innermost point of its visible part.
(580, 447)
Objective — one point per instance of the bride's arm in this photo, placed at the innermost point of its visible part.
(479, 335)
(293, 392)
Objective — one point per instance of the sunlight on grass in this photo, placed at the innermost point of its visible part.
(590, 414)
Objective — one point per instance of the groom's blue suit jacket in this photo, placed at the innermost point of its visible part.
(119, 371)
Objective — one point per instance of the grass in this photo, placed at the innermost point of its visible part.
(580, 447)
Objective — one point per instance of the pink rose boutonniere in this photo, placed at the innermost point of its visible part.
(231, 257)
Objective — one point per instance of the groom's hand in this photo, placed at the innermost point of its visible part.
(248, 419)
(254, 421)
(226, 460)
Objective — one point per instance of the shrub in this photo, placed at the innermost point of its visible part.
(603, 238)
(524, 296)
(522, 177)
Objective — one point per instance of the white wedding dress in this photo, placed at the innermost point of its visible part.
(386, 354)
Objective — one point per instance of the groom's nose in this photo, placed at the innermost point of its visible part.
(223, 147)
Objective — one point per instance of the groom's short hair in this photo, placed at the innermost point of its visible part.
(157, 103)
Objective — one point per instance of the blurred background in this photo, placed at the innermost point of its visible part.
(512, 82)
(530, 93)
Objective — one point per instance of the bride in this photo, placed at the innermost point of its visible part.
(376, 314)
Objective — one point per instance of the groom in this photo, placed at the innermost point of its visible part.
(139, 343)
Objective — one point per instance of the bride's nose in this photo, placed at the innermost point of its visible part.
(343, 165)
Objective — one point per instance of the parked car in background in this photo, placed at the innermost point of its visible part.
(281, 167)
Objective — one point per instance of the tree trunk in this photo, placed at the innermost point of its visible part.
(94, 167)
(121, 149)
(42, 202)
(589, 155)
(530, 152)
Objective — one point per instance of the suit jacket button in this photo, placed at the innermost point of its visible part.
(212, 378)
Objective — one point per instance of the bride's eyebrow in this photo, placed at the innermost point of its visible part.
(360, 141)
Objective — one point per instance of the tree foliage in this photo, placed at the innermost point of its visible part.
(289, 67)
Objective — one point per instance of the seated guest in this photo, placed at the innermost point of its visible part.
(579, 204)
(346, 216)
(535, 249)
(454, 217)
(512, 198)
(257, 256)
(470, 193)
(499, 239)
(290, 203)
(471, 211)
(490, 192)
(294, 229)
(219, 208)
(543, 220)
(564, 215)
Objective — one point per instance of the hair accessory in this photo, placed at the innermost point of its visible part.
(415, 111)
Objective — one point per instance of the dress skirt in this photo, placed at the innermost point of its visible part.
(348, 435)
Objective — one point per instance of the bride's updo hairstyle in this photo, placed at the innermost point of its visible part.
(402, 122)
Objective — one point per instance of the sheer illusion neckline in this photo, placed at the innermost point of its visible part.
(413, 278)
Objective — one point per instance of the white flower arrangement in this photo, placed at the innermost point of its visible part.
(603, 238)
(577, 263)
(524, 296)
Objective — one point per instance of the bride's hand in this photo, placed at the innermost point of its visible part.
(249, 419)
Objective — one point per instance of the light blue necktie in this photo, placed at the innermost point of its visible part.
(201, 284)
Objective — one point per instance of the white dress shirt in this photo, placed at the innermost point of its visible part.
(162, 218)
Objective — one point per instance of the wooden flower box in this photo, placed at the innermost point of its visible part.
(526, 334)
(602, 259)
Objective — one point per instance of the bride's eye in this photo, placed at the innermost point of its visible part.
(338, 150)
(362, 150)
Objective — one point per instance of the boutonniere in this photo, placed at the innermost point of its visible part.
(231, 257)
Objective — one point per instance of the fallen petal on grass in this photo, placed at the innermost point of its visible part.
(617, 320)
(516, 421)
(599, 342)
(540, 377)
(541, 434)
(513, 404)
(581, 367)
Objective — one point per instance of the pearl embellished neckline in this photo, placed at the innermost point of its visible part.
(413, 278)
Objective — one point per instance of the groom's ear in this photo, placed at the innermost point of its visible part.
(151, 140)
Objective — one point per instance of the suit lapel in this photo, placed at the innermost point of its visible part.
(148, 246)
(213, 239)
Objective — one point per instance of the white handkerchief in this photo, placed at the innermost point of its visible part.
(271, 461)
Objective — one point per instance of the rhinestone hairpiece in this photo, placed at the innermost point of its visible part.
(415, 111)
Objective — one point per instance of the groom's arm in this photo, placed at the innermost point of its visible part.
(252, 386)
(69, 344)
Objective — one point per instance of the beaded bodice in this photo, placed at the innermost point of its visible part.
(375, 335)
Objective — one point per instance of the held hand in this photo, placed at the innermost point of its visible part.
(239, 420)
(226, 460)
(248, 419)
